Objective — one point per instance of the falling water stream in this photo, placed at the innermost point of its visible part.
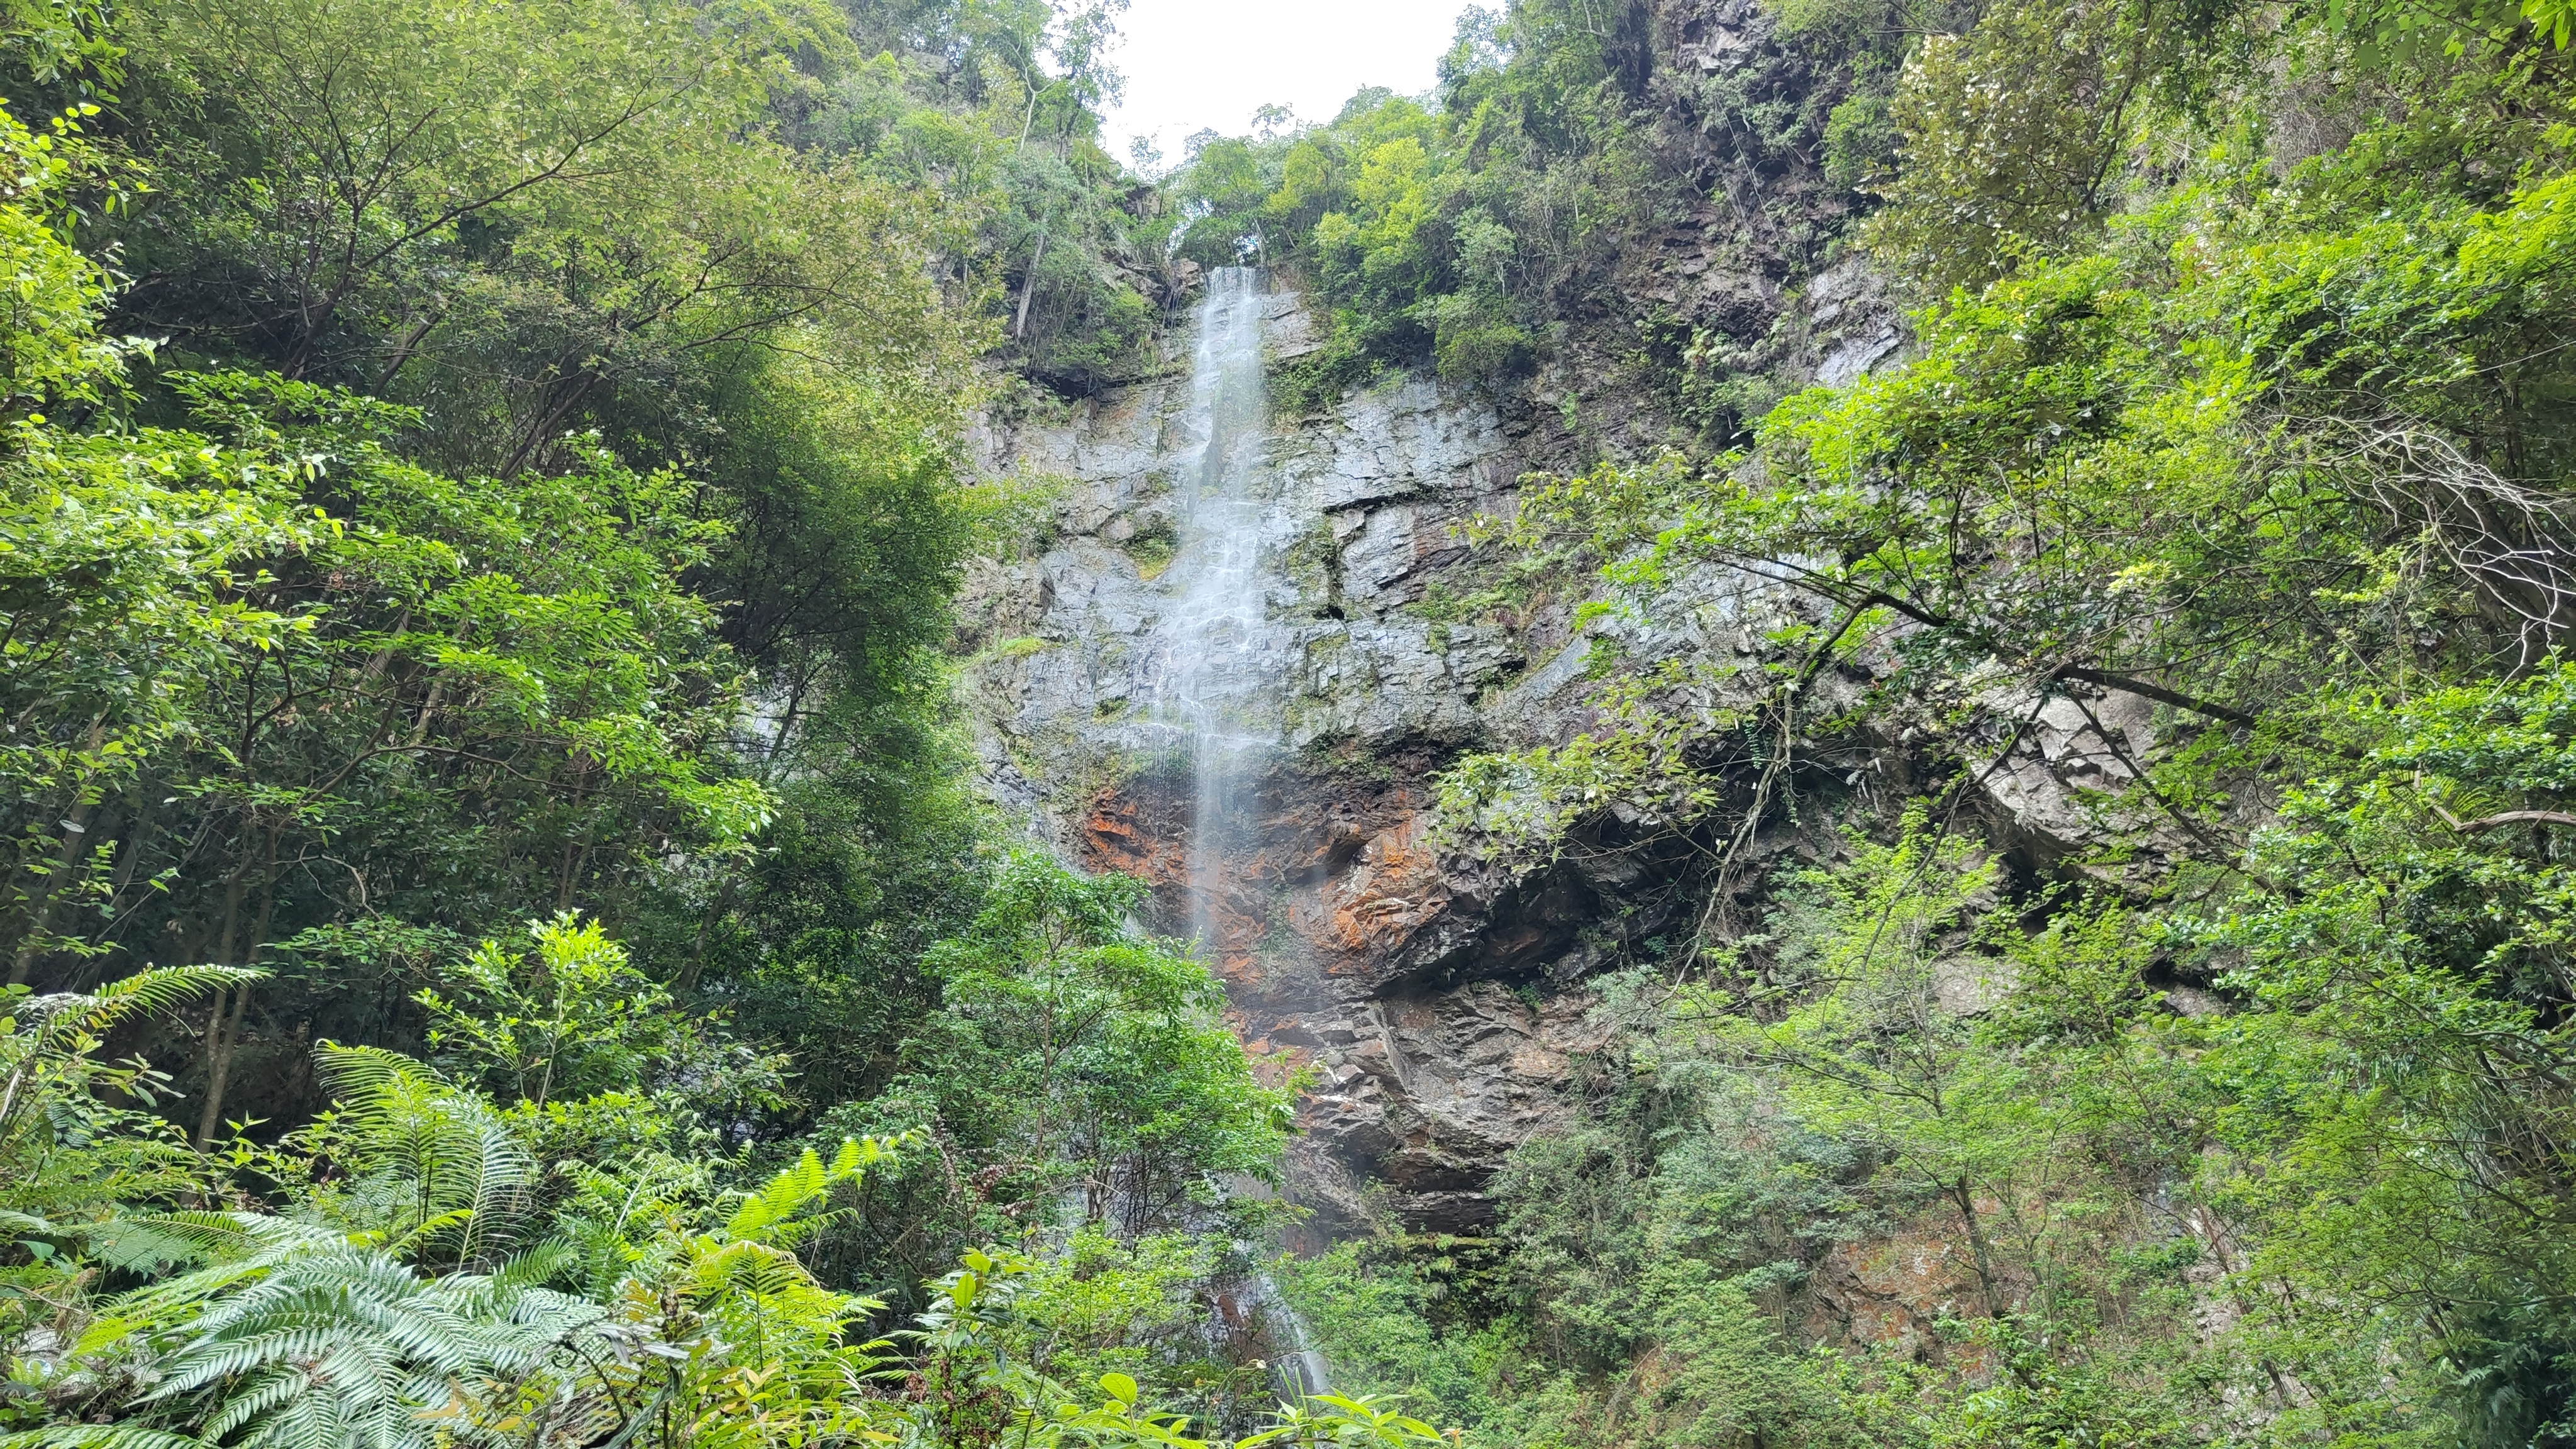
(1222, 657)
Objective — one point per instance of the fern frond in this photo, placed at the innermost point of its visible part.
(352, 1072)
(100, 1436)
(149, 1239)
(746, 1268)
(538, 1264)
(312, 1340)
(779, 1199)
(137, 1248)
(427, 1228)
(274, 1241)
(438, 1162)
(316, 1421)
(203, 1363)
(155, 988)
(503, 1173)
(264, 1395)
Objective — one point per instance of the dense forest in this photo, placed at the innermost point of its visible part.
(506, 945)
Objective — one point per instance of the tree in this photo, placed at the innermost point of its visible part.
(1071, 1053)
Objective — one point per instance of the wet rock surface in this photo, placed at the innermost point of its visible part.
(1438, 1008)
(1434, 1002)
(1428, 1007)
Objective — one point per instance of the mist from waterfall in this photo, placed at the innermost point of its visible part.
(1222, 657)
(1221, 653)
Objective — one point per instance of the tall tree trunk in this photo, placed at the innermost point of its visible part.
(40, 911)
(219, 1062)
(40, 916)
(222, 1039)
(1029, 288)
(1980, 1251)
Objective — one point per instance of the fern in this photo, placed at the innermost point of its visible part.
(156, 988)
(354, 1072)
(100, 1436)
(146, 1241)
(435, 1171)
(66, 1157)
(772, 1213)
(322, 1344)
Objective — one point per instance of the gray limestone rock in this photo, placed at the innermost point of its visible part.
(1436, 1001)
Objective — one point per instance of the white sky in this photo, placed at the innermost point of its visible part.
(1210, 63)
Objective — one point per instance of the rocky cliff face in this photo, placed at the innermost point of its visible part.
(1436, 1004)
(1440, 1003)
(1736, 284)
(1417, 1082)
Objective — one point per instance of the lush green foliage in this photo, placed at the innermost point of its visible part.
(471, 666)
(567, 834)
(2237, 1117)
(1507, 223)
(409, 1268)
(1442, 230)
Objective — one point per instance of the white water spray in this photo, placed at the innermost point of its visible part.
(1301, 1374)
(1223, 655)
(1223, 659)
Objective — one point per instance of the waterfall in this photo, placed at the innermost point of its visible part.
(1222, 655)
(1301, 1374)
(1222, 658)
